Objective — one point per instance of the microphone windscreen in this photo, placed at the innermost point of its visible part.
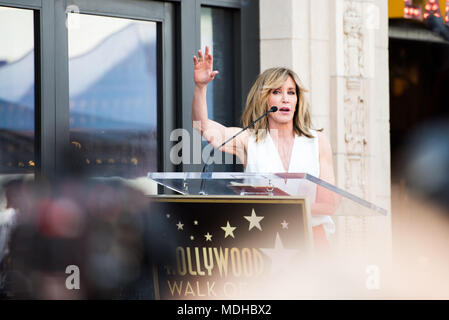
(274, 109)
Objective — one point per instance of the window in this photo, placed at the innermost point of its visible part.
(113, 94)
(218, 32)
(111, 79)
(230, 28)
(17, 90)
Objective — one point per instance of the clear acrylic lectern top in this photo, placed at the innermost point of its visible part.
(322, 197)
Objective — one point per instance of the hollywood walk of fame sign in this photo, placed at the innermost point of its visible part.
(228, 245)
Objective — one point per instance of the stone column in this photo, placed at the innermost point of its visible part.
(296, 34)
(360, 118)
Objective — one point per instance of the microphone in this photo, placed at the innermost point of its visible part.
(272, 110)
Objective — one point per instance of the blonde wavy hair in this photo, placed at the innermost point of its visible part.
(257, 102)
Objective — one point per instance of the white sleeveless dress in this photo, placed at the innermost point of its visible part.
(263, 157)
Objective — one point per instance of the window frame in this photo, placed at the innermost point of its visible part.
(41, 79)
(247, 67)
(178, 39)
(155, 11)
(52, 127)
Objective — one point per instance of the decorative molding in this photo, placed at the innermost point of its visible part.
(354, 105)
(353, 38)
(354, 120)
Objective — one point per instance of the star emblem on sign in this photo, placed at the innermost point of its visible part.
(208, 237)
(280, 256)
(180, 225)
(229, 231)
(284, 224)
(254, 220)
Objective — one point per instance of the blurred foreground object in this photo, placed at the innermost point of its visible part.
(102, 230)
(427, 167)
(422, 256)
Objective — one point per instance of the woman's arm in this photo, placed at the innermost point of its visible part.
(212, 131)
(326, 164)
(326, 201)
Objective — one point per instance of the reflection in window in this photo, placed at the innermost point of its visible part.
(217, 32)
(17, 79)
(113, 95)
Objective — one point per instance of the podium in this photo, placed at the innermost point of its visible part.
(230, 232)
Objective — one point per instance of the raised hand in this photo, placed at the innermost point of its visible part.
(202, 68)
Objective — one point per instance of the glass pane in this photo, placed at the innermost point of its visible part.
(113, 94)
(323, 197)
(217, 32)
(17, 77)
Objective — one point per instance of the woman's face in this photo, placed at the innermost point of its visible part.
(285, 98)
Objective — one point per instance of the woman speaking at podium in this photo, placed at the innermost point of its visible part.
(283, 141)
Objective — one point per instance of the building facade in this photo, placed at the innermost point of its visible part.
(340, 49)
(111, 81)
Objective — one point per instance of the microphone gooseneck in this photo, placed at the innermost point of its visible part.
(272, 110)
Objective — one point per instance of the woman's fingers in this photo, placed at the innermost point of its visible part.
(213, 74)
(207, 55)
(206, 58)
